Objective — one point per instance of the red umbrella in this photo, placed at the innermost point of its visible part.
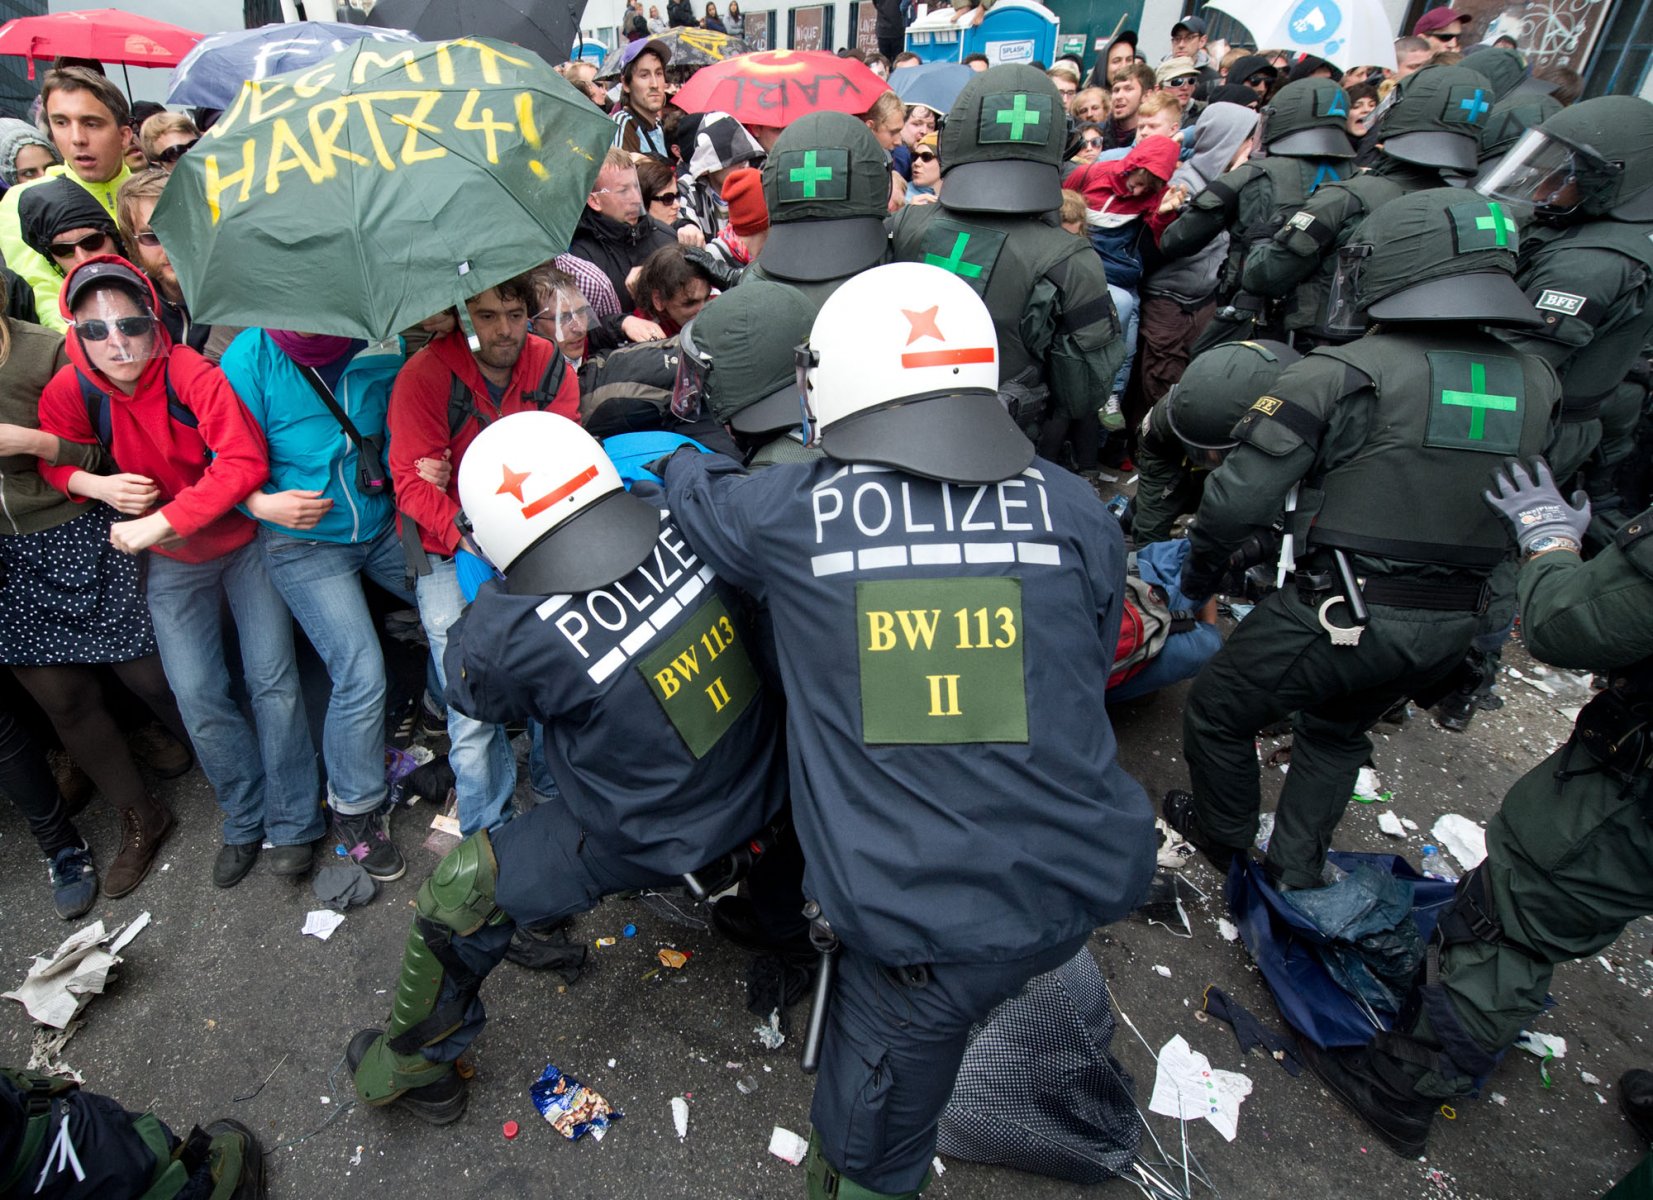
(106, 34)
(776, 87)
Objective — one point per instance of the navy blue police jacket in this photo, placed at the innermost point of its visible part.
(659, 731)
(944, 651)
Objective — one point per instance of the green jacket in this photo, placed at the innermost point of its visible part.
(1167, 484)
(42, 274)
(1596, 615)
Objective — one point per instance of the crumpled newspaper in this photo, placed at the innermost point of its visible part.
(62, 983)
(1186, 1086)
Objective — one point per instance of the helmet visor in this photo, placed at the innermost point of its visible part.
(693, 370)
(1551, 175)
(1344, 317)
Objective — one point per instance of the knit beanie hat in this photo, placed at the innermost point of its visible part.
(14, 135)
(743, 193)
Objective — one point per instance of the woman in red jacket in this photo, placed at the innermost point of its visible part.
(188, 452)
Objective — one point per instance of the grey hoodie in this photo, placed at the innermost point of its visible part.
(1216, 140)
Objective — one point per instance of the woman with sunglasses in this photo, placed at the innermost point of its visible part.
(926, 185)
(166, 137)
(1088, 144)
(186, 452)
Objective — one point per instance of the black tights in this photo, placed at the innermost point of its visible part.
(72, 698)
(27, 782)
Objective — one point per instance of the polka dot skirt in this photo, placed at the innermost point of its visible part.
(68, 596)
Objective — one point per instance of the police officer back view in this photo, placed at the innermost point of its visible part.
(995, 227)
(1429, 135)
(1384, 597)
(1303, 137)
(1186, 435)
(620, 640)
(1570, 854)
(827, 185)
(1587, 264)
(946, 608)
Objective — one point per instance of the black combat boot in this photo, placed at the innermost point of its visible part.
(1377, 1088)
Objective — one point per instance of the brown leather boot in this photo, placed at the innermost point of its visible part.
(143, 828)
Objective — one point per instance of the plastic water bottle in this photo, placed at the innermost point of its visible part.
(1435, 866)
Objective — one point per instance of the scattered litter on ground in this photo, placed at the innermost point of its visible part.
(607, 941)
(680, 1117)
(343, 884)
(1499, 1099)
(769, 1033)
(746, 1085)
(938, 1166)
(356, 1158)
(1606, 963)
(1466, 840)
(1369, 788)
(1265, 830)
(62, 983)
(630, 931)
(1187, 1087)
(1600, 1099)
(1162, 970)
(572, 1109)
(1227, 930)
(1588, 1078)
(675, 959)
(1174, 849)
(1409, 824)
(787, 1146)
(47, 1046)
(1390, 824)
(266, 1079)
(321, 922)
(611, 1062)
(1537, 684)
(1544, 1045)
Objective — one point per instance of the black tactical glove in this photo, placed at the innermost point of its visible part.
(722, 275)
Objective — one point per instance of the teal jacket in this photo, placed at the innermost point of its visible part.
(308, 448)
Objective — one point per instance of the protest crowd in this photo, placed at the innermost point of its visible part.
(801, 495)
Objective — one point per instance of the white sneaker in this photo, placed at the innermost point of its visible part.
(1111, 415)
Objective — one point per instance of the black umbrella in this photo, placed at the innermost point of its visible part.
(547, 27)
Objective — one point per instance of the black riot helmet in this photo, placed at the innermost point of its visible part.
(1592, 160)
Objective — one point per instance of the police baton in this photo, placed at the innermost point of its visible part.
(826, 941)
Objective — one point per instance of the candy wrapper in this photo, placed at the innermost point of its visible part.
(573, 1109)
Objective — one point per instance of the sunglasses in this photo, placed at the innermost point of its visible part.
(1094, 142)
(1258, 80)
(1444, 37)
(666, 198)
(172, 154)
(1183, 81)
(95, 330)
(924, 156)
(91, 243)
(148, 238)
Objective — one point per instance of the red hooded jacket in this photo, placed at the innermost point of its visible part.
(1103, 184)
(418, 424)
(202, 473)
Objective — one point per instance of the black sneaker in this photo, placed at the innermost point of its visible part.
(1373, 1087)
(1180, 814)
(737, 919)
(74, 882)
(439, 1103)
(365, 838)
(1636, 1099)
(292, 860)
(433, 719)
(233, 863)
(1456, 711)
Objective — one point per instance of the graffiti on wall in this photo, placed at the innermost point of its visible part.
(1551, 33)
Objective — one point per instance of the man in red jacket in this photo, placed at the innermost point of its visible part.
(188, 452)
(441, 401)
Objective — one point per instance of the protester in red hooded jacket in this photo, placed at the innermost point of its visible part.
(511, 370)
(1123, 197)
(187, 452)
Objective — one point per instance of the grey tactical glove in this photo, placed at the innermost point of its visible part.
(1536, 508)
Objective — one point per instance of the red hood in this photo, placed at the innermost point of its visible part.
(156, 367)
(1156, 154)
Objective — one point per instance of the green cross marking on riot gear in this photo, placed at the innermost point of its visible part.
(1479, 401)
(810, 175)
(955, 261)
(1500, 223)
(1017, 116)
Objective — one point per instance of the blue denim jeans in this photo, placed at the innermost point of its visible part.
(265, 778)
(1129, 309)
(322, 584)
(485, 773)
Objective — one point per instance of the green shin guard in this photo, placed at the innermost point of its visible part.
(458, 897)
(827, 1183)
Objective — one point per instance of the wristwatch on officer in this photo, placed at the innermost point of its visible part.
(1544, 545)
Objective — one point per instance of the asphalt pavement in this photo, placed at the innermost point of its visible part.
(222, 1007)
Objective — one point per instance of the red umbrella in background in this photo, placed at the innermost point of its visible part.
(106, 34)
(776, 87)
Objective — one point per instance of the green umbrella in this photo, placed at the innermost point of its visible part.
(382, 185)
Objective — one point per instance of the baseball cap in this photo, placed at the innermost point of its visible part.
(1173, 68)
(1194, 25)
(651, 46)
(1437, 19)
(105, 271)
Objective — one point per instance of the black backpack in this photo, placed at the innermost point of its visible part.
(97, 408)
(462, 405)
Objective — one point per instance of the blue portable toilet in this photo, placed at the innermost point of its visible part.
(590, 51)
(1013, 31)
(934, 37)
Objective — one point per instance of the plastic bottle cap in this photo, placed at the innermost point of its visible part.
(510, 1130)
(1429, 850)
(629, 931)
